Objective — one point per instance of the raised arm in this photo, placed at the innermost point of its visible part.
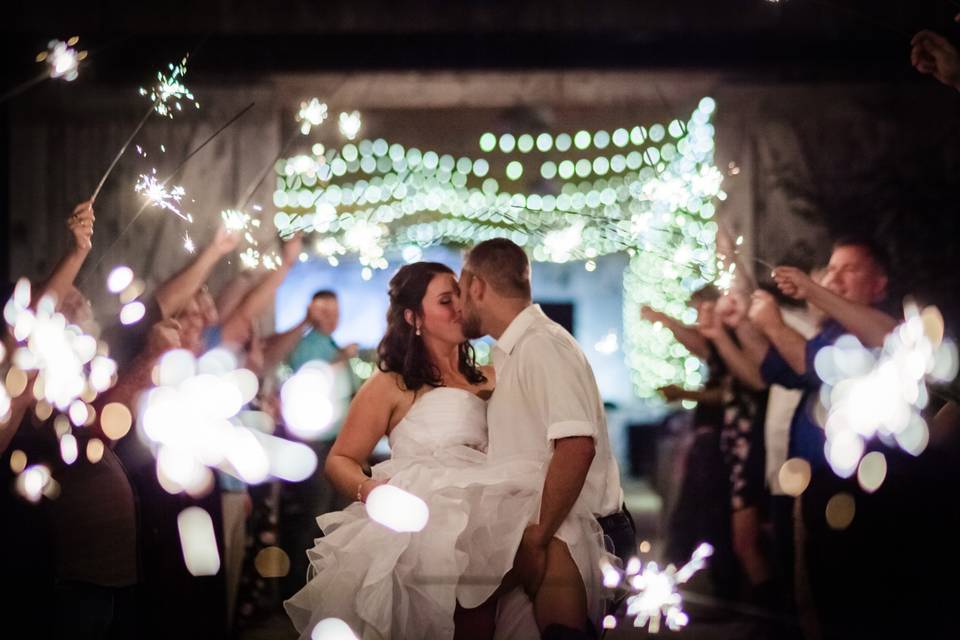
(63, 275)
(765, 315)
(932, 54)
(237, 324)
(279, 345)
(16, 413)
(737, 361)
(685, 335)
(367, 421)
(173, 294)
(869, 325)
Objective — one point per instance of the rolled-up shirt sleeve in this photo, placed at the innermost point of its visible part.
(555, 383)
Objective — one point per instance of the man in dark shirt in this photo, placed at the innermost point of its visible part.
(834, 563)
(855, 282)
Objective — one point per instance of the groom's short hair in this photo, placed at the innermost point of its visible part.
(504, 265)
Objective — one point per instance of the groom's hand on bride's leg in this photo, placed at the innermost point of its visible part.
(530, 564)
(560, 603)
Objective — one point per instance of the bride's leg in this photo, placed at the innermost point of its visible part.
(477, 623)
(562, 596)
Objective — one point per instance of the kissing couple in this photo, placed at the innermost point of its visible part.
(513, 461)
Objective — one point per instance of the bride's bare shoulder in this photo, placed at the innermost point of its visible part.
(385, 384)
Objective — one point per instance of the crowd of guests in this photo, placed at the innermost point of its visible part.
(104, 559)
(799, 569)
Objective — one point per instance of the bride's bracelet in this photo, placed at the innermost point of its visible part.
(360, 488)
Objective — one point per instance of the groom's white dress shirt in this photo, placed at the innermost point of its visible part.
(546, 391)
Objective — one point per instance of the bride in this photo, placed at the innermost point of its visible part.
(445, 581)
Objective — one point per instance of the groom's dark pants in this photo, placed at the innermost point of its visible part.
(620, 534)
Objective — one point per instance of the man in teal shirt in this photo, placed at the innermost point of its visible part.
(304, 501)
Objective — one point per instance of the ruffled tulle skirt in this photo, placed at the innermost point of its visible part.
(386, 584)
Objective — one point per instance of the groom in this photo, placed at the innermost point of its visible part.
(546, 405)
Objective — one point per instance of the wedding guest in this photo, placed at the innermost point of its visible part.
(702, 509)
(303, 502)
(854, 284)
(741, 439)
(932, 54)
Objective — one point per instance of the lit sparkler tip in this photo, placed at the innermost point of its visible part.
(312, 114)
(350, 124)
(169, 90)
(188, 243)
(655, 599)
(157, 194)
(62, 59)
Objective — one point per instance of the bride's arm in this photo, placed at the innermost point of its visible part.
(366, 423)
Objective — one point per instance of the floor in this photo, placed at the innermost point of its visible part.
(709, 619)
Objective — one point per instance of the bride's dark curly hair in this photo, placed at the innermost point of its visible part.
(402, 351)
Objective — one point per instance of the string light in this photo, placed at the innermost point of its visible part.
(651, 192)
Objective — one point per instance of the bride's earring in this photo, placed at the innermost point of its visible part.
(418, 330)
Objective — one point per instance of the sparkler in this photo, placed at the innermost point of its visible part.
(871, 394)
(305, 401)
(397, 509)
(198, 542)
(332, 629)
(350, 124)
(65, 358)
(655, 598)
(155, 190)
(194, 420)
(311, 114)
(62, 62)
(62, 59)
(157, 194)
(169, 88)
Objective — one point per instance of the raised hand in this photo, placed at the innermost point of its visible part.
(764, 311)
(708, 324)
(932, 54)
(225, 241)
(732, 308)
(80, 225)
(650, 314)
(793, 282)
(290, 251)
(671, 392)
(164, 336)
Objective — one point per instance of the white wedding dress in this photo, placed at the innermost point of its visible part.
(385, 584)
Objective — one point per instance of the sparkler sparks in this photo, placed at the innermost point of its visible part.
(655, 598)
(188, 245)
(169, 89)
(350, 124)
(881, 394)
(397, 509)
(311, 114)
(62, 59)
(66, 359)
(194, 419)
(157, 194)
